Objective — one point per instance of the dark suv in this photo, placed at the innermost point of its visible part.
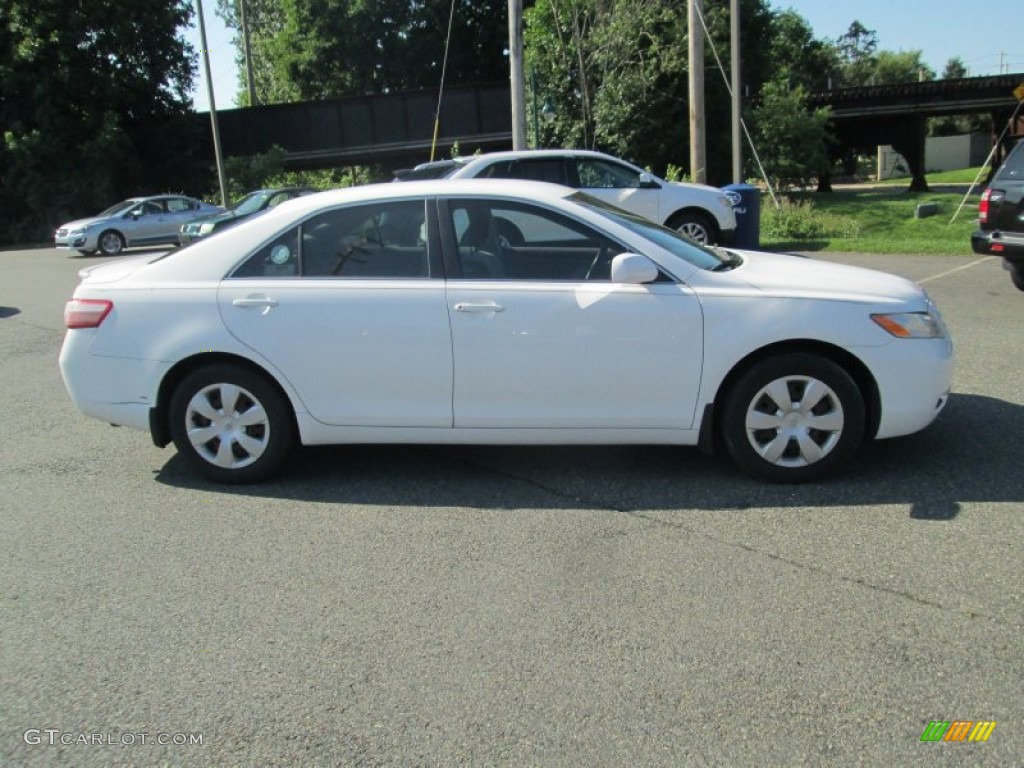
(1001, 216)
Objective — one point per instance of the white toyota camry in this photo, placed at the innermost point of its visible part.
(497, 313)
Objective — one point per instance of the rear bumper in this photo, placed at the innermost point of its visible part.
(115, 390)
(1009, 245)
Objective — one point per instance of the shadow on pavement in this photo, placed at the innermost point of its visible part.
(969, 454)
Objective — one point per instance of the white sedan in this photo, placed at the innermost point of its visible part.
(702, 213)
(398, 313)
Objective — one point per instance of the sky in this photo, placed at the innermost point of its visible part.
(983, 34)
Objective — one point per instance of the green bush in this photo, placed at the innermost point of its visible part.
(800, 220)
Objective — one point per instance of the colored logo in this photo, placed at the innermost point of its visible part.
(958, 730)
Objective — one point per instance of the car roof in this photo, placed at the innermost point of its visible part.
(516, 154)
(537, 190)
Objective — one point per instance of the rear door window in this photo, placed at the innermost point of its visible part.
(1013, 166)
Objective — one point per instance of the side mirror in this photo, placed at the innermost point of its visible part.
(647, 182)
(633, 268)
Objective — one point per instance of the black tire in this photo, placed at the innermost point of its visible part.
(1017, 276)
(255, 450)
(696, 226)
(110, 242)
(793, 442)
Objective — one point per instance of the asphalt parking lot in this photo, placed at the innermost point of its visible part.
(508, 606)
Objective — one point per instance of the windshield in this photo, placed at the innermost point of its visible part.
(124, 205)
(436, 170)
(254, 201)
(669, 239)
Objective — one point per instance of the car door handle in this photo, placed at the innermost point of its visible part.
(254, 301)
(483, 306)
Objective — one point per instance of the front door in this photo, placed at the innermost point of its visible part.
(619, 185)
(543, 339)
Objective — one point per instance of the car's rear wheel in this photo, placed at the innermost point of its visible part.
(1017, 276)
(111, 243)
(695, 226)
(793, 418)
(231, 424)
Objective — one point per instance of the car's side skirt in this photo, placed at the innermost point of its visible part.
(314, 433)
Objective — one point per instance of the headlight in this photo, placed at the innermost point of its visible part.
(79, 231)
(207, 228)
(911, 325)
(734, 198)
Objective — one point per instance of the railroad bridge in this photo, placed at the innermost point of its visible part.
(398, 128)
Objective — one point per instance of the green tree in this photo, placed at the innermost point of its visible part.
(315, 49)
(954, 69)
(616, 75)
(798, 58)
(89, 93)
(792, 142)
(954, 125)
(893, 67)
(856, 49)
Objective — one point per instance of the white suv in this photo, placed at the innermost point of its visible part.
(701, 212)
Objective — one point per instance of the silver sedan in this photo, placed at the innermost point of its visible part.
(134, 222)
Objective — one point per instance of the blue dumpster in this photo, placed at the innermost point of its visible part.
(747, 207)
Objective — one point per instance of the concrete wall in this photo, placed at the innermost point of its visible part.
(941, 153)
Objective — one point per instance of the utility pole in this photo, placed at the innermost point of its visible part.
(247, 52)
(515, 62)
(698, 152)
(213, 107)
(737, 104)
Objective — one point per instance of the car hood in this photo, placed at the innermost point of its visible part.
(693, 187)
(82, 223)
(798, 276)
(222, 217)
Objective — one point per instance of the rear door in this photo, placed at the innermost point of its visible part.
(350, 308)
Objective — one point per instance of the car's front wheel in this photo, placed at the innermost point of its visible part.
(231, 424)
(695, 226)
(111, 243)
(793, 418)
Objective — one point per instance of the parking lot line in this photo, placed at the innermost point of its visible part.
(957, 269)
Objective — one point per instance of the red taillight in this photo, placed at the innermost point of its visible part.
(86, 313)
(983, 206)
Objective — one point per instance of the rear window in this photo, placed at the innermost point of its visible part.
(1013, 166)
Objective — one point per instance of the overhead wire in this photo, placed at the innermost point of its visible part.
(743, 123)
(440, 93)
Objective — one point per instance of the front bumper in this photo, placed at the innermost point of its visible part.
(914, 378)
(84, 241)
